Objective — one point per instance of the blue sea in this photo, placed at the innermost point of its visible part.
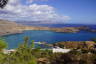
(48, 36)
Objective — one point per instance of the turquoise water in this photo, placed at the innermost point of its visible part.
(48, 36)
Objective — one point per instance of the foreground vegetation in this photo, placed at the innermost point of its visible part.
(27, 54)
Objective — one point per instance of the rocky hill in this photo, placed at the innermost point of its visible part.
(8, 27)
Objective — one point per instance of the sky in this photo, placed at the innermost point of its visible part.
(51, 11)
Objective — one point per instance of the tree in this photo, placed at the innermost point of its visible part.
(3, 44)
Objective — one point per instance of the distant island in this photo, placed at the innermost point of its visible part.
(10, 27)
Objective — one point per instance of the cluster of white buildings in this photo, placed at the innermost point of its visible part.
(54, 50)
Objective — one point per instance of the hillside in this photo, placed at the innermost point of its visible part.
(8, 27)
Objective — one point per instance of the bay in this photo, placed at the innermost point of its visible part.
(47, 36)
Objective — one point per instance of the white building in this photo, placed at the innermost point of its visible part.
(60, 50)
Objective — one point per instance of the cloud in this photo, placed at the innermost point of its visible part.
(33, 12)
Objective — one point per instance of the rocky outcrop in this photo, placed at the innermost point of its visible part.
(76, 44)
